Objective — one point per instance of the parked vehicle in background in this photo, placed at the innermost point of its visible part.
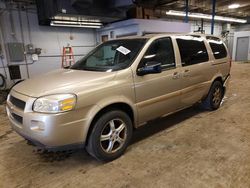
(117, 87)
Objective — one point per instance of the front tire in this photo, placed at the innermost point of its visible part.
(110, 136)
(214, 97)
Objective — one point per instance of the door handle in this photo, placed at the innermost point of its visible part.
(176, 75)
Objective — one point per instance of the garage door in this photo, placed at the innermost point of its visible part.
(242, 48)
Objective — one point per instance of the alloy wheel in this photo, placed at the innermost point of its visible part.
(113, 136)
(217, 96)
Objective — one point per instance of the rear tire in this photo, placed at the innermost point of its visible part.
(214, 97)
(110, 136)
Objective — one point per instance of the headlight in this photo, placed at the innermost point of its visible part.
(55, 103)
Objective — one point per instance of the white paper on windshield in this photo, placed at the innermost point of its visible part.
(123, 50)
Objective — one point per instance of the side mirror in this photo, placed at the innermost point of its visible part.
(150, 68)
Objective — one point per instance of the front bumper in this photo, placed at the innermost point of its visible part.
(50, 131)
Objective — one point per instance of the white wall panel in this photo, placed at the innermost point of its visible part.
(50, 39)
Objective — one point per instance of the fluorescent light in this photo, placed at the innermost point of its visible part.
(75, 24)
(205, 16)
(70, 25)
(233, 6)
(74, 18)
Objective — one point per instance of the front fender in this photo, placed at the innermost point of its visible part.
(103, 104)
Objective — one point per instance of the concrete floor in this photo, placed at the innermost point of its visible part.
(189, 149)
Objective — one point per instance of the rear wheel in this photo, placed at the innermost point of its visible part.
(110, 136)
(214, 98)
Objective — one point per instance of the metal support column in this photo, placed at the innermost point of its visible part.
(213, 14)
(186, 10)
(202, 25)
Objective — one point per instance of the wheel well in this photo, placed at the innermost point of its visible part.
(219, 79)
(116, 106)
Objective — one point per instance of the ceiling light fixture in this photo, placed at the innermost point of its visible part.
(74, 18)
(70, 25)
(233, 6)
(75, 24)
(205, 16)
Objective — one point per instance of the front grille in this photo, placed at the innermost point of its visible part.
(17, 102)
(18, 118)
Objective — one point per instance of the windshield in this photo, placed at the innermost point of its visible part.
(111, 56)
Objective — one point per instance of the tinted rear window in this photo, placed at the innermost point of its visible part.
(192, 50)
(218, 48)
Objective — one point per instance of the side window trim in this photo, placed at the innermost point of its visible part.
(212, 40)
(164, 68)
(206, 60)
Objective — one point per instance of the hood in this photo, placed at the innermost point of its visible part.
(63, 81)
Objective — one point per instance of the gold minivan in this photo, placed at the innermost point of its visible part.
(117, 87)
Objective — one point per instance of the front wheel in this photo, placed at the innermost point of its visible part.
(110, 136)
(214, 97)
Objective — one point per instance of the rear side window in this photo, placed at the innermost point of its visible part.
(192, 50)
(218, 48)
(161, 50)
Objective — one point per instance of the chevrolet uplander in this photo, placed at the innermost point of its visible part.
(119, 86)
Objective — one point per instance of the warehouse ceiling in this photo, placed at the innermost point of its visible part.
(159, 6)
(202, 6)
